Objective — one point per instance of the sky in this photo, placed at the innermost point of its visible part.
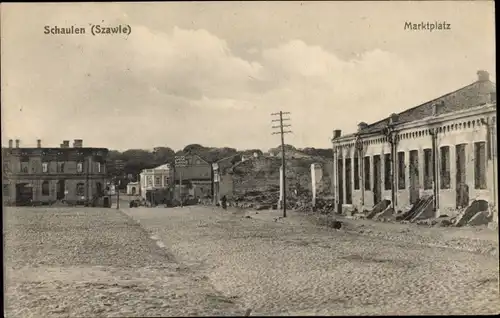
(213, 73)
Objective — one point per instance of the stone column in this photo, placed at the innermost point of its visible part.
(335, 176)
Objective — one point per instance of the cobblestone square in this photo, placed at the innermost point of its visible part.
(205, 261)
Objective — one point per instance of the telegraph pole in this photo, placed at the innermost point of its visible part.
(117, 195)
(180, 188)
(283, 165)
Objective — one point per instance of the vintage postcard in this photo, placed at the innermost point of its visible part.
(260, 158)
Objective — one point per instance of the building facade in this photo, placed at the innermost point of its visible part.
(133, 188)
(47, 175)
(444, 149)
(222, 181)
(196, 177)
(158, 178)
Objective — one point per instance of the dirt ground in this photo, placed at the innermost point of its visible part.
(291, 266)
(86, 262)
(199, 261)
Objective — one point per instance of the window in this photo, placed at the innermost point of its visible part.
(5, 190)
(428, 169)
(80, 189)
(387, 172)
(401, 171)
(445, 167)
(45, 188)
(24, 164)
(99, 167)
(45, 167)
(79, 167)
(157, 181)
(480, 165)
(60, 167)
(356, 173)
(165, 180)
(149, 181)
(367, 173)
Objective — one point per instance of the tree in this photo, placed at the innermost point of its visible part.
(236, 159)
(193, 149)
(163, 155)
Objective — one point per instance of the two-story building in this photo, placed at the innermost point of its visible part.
(444, 149)
(156, 178)
(44, 175)
(156, 184)
(196, 177)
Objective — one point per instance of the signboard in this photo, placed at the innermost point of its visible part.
(180, 161)
(119, 164)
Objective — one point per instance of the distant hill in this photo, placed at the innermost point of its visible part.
(291, 151)
(135, 160)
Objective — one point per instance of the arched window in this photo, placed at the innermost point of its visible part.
(45, 188)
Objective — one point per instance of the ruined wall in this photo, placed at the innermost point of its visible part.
(262, 175)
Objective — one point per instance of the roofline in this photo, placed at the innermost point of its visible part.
(430, 101)
(489, 107)
(58, 148)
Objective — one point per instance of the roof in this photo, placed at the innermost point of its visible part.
(475, 94)
(166, 166)
(227, 163)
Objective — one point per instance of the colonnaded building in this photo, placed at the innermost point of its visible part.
(443, 151)
(41, 175)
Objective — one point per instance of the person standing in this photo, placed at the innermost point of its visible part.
(224, 202)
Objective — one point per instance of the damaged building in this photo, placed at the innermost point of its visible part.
(438, 157)
(46, 175)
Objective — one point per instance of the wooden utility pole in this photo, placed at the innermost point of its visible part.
(180, 188)
(117, 195)
(119, 166)
(283, 163)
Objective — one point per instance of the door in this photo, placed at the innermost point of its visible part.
(340, 170)
(24, 194)
(462, 195)
(61, 188)
(99, 188)
(377, 184)
(348, 181)
(414, 177)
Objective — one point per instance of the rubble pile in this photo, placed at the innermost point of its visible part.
(476, 214)
(260, 200)
(266, 200)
